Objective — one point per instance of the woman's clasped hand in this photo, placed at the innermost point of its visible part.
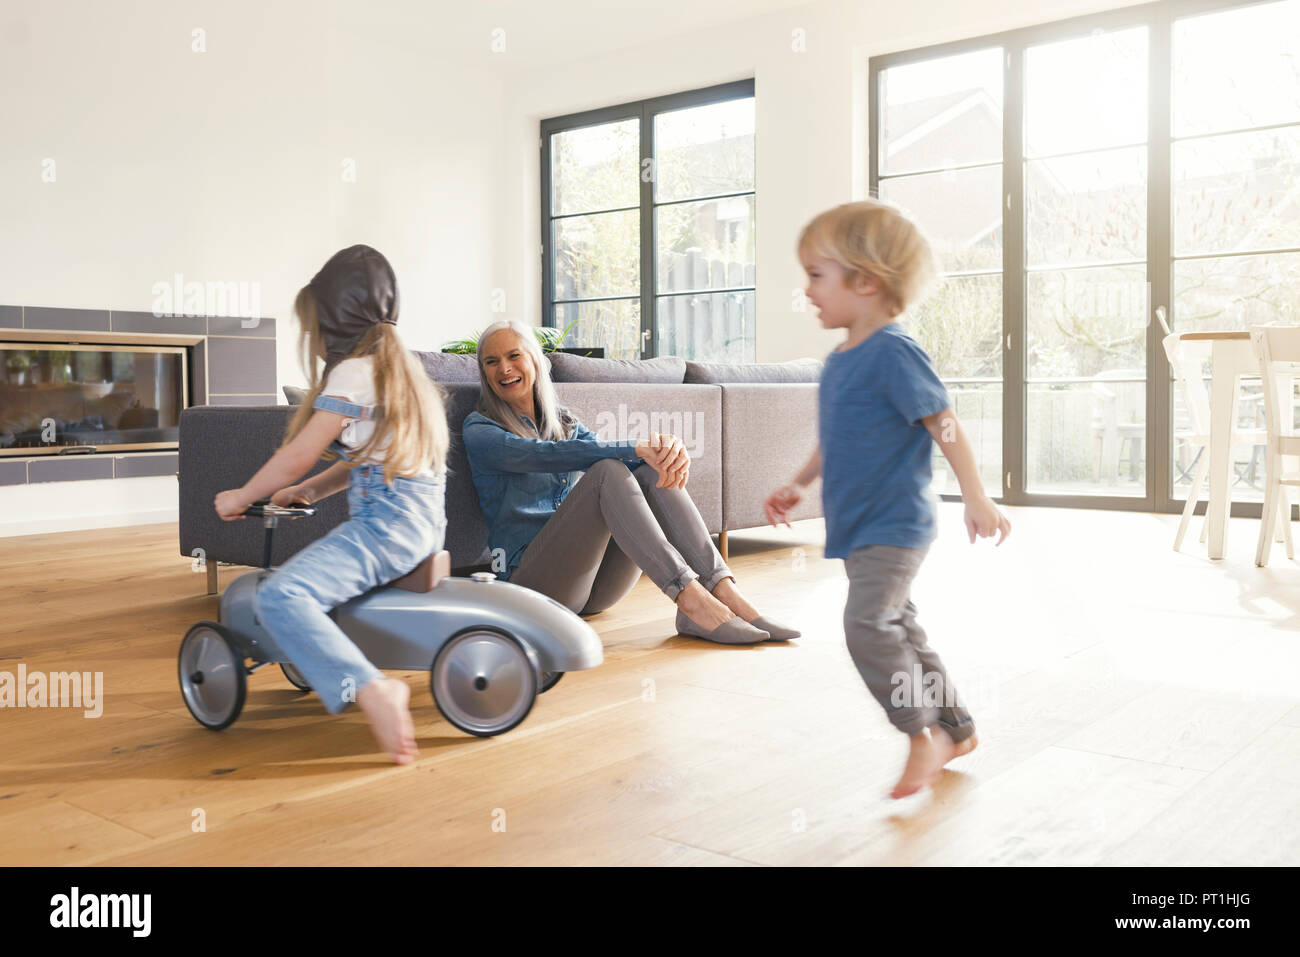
(667, 455)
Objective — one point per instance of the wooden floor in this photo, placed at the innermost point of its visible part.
(1135, 706)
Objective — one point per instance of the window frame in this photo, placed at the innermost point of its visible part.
(1159, 18)
(645, 111)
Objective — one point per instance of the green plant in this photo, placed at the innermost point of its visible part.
(462, 346)
(548, 337)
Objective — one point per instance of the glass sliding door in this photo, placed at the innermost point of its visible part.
(1149, 159)
(1235, 163)
(940, 151)
(1085, 212)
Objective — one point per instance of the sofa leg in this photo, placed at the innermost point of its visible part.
(212, 576)
(722, 545)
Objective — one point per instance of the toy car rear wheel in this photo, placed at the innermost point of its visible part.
(213, 681)
(549, 680)
(484, 681)
(295, 677)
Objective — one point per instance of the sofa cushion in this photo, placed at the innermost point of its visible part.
(220, 447)
(449, 366)
(440, 367)
(713, 373)
(666, 370)
(466, 536)
(616, 412)
(769, 429)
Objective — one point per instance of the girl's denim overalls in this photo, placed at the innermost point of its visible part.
(390, 530)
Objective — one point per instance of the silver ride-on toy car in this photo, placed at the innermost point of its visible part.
(491, 647)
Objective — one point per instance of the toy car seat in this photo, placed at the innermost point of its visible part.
(426, 575)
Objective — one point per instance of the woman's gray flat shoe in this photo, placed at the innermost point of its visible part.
(734, 631)
(778, 632)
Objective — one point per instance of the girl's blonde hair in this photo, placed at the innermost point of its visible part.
(554, 422)
(874, 239)
(411, 415)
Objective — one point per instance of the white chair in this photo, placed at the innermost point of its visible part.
(1112, 434)
(1185, 361)
(1278, 351)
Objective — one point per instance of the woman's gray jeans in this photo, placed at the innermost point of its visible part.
(612, 526)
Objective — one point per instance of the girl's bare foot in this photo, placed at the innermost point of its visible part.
(385, 702)
(701, 607)
(726, 592)
(925, 759)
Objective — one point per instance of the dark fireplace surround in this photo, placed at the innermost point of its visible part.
(227, 361)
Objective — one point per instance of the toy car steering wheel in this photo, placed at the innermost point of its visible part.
(263, 508)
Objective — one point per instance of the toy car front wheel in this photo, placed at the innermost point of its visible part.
(295, 677)
(484, 681)
(212, 677)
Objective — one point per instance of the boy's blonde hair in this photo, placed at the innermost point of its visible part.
(875, 239)
(411, 415)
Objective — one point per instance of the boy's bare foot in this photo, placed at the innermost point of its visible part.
(926, 757)
(964, 747)
(385, 702)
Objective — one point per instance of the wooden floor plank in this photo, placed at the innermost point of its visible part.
(1134, 705)
(1245, 814)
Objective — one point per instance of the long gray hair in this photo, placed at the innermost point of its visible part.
(554, 422)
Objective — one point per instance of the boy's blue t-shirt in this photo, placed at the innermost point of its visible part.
(875, 448)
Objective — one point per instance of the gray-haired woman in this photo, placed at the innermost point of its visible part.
(586, 543)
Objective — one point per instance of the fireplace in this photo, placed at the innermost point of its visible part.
(58, 398)
(112, 384)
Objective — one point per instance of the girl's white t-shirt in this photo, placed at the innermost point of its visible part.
(353, 380)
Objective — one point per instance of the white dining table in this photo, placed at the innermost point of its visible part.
(1231, 358)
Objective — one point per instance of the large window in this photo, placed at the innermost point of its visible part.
(1075, 178)
(648, 226)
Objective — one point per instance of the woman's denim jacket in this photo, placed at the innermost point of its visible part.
(521, 482)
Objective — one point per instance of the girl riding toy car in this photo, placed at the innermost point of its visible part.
(490, 647)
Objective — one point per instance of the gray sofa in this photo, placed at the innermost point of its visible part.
(745, 437)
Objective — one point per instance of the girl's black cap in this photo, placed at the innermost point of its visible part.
(354, 290)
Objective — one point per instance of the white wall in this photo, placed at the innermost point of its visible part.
(226, 166)
(810, 131)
